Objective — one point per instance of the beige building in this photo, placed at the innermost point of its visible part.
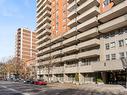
(25, 45)
(94, 46)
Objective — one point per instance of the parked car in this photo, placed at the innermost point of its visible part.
(28, 81)
(40, 82)
(16, 80)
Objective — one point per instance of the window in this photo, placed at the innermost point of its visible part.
(112, 45)
(108, 57)
(121, 55)
(121, 43)
(112, 34)
(125, 29)
(107, 46)
(106, 36)
(113, 56)
(106, 2)
(125, 41)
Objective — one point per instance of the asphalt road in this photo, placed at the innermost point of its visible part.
(16, 88)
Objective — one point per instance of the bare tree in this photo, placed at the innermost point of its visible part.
(50, 65)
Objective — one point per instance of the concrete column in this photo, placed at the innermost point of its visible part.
(64, 75)
(65, 78)
(44, 77)
(104, 76)
(81, 78)
(53, 78)
(126, 77)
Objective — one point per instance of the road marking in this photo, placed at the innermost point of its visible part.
(10, 89)
(25, 93)
(13, 90)
(4, 86)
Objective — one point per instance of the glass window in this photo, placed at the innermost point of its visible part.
(113, 56)
(108, 57)
(106, 2)
(121, 55)
(112, 34)
(121, 43)
(125, 41)
(112, 45)
(107, 46)
(125, 29)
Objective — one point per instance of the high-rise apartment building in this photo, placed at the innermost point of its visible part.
(90, 42)
(25, 45)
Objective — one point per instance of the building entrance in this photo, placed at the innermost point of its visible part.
(118, 77)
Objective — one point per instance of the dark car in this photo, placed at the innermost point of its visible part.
(40, 82)
(29, 82)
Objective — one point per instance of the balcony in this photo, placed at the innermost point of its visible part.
(44, 26)
(45, 20)
(69, 58)
(46, 7)
(45, 38)
(56, 46)
(108, 65)
(44, 45)
(43, 4)
(87, 34)
(70, 41)
(39, 2)
(73, 4)
(40, 52)
(46, 50)
(94, 11)
(46, 56)
(69, 49)
(118, 1)
(71, 69)
(56, 40)
(114, 12)
(86, 69)
(70, 1)
(71, 32)
(72, 23)
(43, 33)
(87, 5)
(72, 14)
(91, 53)
(93, 22)
(84, 7)
(89, 43)
(113, 24)
(47, 13)
(58, 70)
(56, 60)
(56, 53)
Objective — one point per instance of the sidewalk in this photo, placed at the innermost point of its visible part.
(103, 88)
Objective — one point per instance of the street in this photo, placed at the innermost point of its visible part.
(16, 88)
